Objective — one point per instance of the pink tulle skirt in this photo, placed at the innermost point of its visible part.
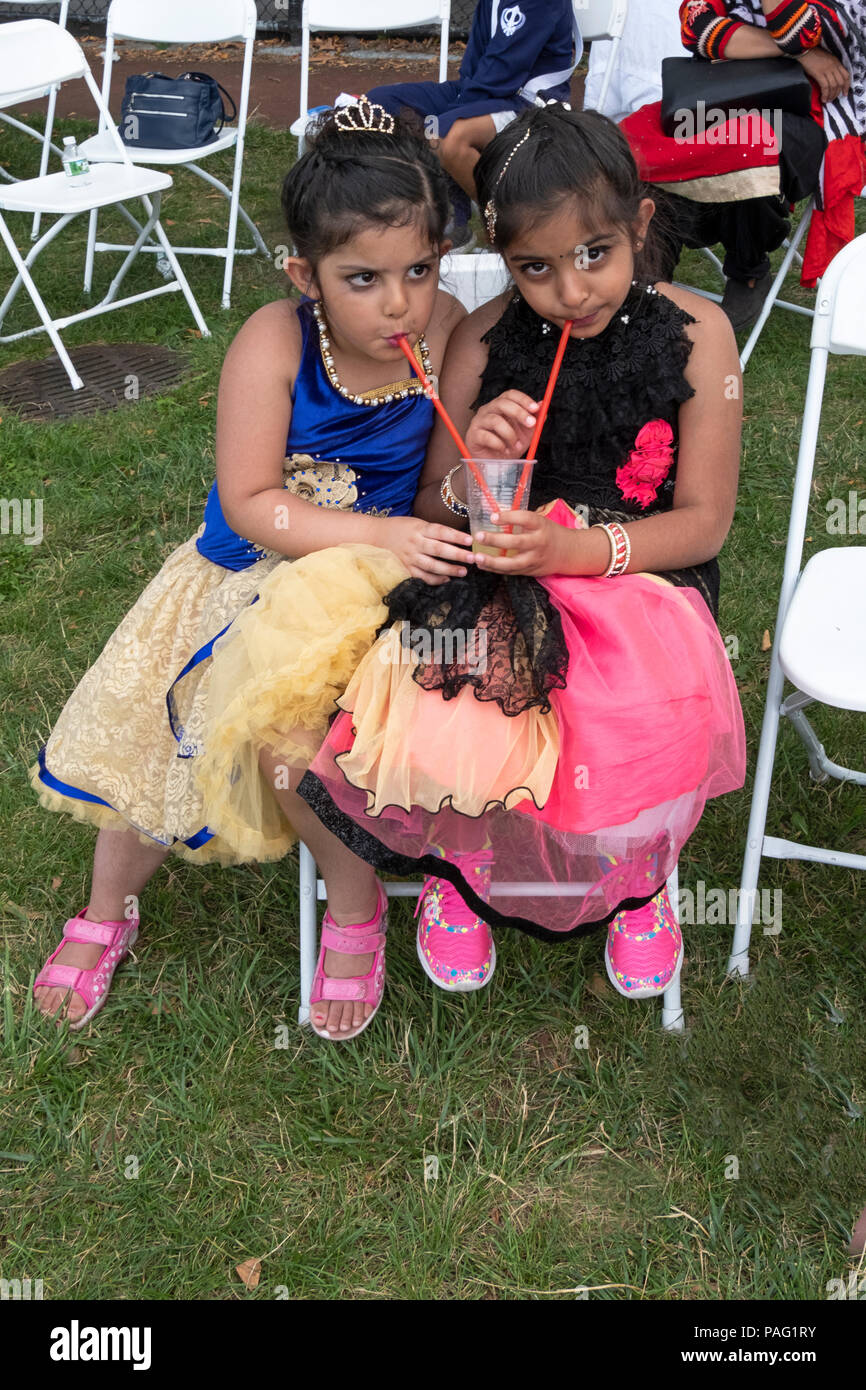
(600, 793)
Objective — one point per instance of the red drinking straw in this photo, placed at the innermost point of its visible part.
(542, 414)
(401, 341)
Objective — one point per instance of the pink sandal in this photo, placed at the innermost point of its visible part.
(93, 984)
(357, 940)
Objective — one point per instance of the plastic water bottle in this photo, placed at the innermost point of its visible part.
(76, 164)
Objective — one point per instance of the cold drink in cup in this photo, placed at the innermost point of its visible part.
(502, 478)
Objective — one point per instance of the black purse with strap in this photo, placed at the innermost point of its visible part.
(173, 113)
(692, 87)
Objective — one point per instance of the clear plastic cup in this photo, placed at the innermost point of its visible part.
(502, 478)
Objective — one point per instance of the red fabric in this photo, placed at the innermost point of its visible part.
(833, 227)
(722, 149)
(648, 464)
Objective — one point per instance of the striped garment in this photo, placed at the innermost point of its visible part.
(794, 24)
(707, 26)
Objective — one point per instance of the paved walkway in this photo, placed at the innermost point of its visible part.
(275, 83)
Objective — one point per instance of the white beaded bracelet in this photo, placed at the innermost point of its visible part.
(449, 496)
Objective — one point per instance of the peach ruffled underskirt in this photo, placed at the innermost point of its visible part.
(602, 791)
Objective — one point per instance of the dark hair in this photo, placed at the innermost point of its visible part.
(347, 179)
(578, 155)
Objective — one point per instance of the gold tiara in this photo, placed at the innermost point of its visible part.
(373, 118)
(490, 209)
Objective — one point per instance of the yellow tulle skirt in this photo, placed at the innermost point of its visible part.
(275, 681)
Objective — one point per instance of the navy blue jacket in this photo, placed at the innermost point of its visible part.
(514, 53)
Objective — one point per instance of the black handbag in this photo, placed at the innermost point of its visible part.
(173, 113)
(691, 86)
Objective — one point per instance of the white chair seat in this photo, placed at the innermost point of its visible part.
(102, 149)
(109, 183)
(822, 649)
(474, 279)
(16, 98)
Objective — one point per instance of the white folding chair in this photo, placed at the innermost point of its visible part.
(473, 284)
(336, 16)
(192, 21)
(35, 55)
(602, 20)
(45, 137)
(820, 637)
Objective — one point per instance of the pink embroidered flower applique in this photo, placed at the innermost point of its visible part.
(648, 463)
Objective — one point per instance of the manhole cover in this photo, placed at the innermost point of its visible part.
(113, 373)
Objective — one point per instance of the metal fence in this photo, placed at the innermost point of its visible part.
(275, 16)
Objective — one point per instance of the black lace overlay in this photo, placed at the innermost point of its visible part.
(508, 620)
(609, 387)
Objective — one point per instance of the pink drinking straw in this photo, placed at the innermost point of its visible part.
(401, 341)
(542, 414)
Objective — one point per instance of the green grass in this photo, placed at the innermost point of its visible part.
(559, 1167)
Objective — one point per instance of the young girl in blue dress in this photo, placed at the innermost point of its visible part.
(320, 442)
(581, 751)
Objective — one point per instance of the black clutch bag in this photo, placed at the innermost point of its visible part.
(692, 85)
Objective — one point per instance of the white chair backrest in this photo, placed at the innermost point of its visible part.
(182, 21)
(601, 19)
(35, 53)
(474, 279)
(839, 324)
(374, 14)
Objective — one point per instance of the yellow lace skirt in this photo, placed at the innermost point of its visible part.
(129, 747)
(113, 758)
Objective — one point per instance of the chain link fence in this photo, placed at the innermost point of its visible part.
(275, 16)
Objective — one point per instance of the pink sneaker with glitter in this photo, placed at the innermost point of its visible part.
(644, 951)
(454, 946)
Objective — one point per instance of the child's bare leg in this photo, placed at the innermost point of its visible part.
(122, 866)
(352, 893)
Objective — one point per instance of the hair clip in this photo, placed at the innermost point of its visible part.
(490, 209)
(553, 101)
(373, 118)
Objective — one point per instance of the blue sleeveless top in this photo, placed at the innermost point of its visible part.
(383, 443)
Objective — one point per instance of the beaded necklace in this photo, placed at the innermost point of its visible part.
(381, 395)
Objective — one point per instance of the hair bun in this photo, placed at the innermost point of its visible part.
(362, 164)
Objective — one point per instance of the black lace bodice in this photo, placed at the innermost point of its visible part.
(609, 388)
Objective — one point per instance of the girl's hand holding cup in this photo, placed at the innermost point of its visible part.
(538, 546)
(504, 427)
(429, 551)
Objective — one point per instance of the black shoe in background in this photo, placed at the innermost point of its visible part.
(743, 303)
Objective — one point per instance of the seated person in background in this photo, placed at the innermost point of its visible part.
(817, 36)
(515, 54)
(652, 32)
